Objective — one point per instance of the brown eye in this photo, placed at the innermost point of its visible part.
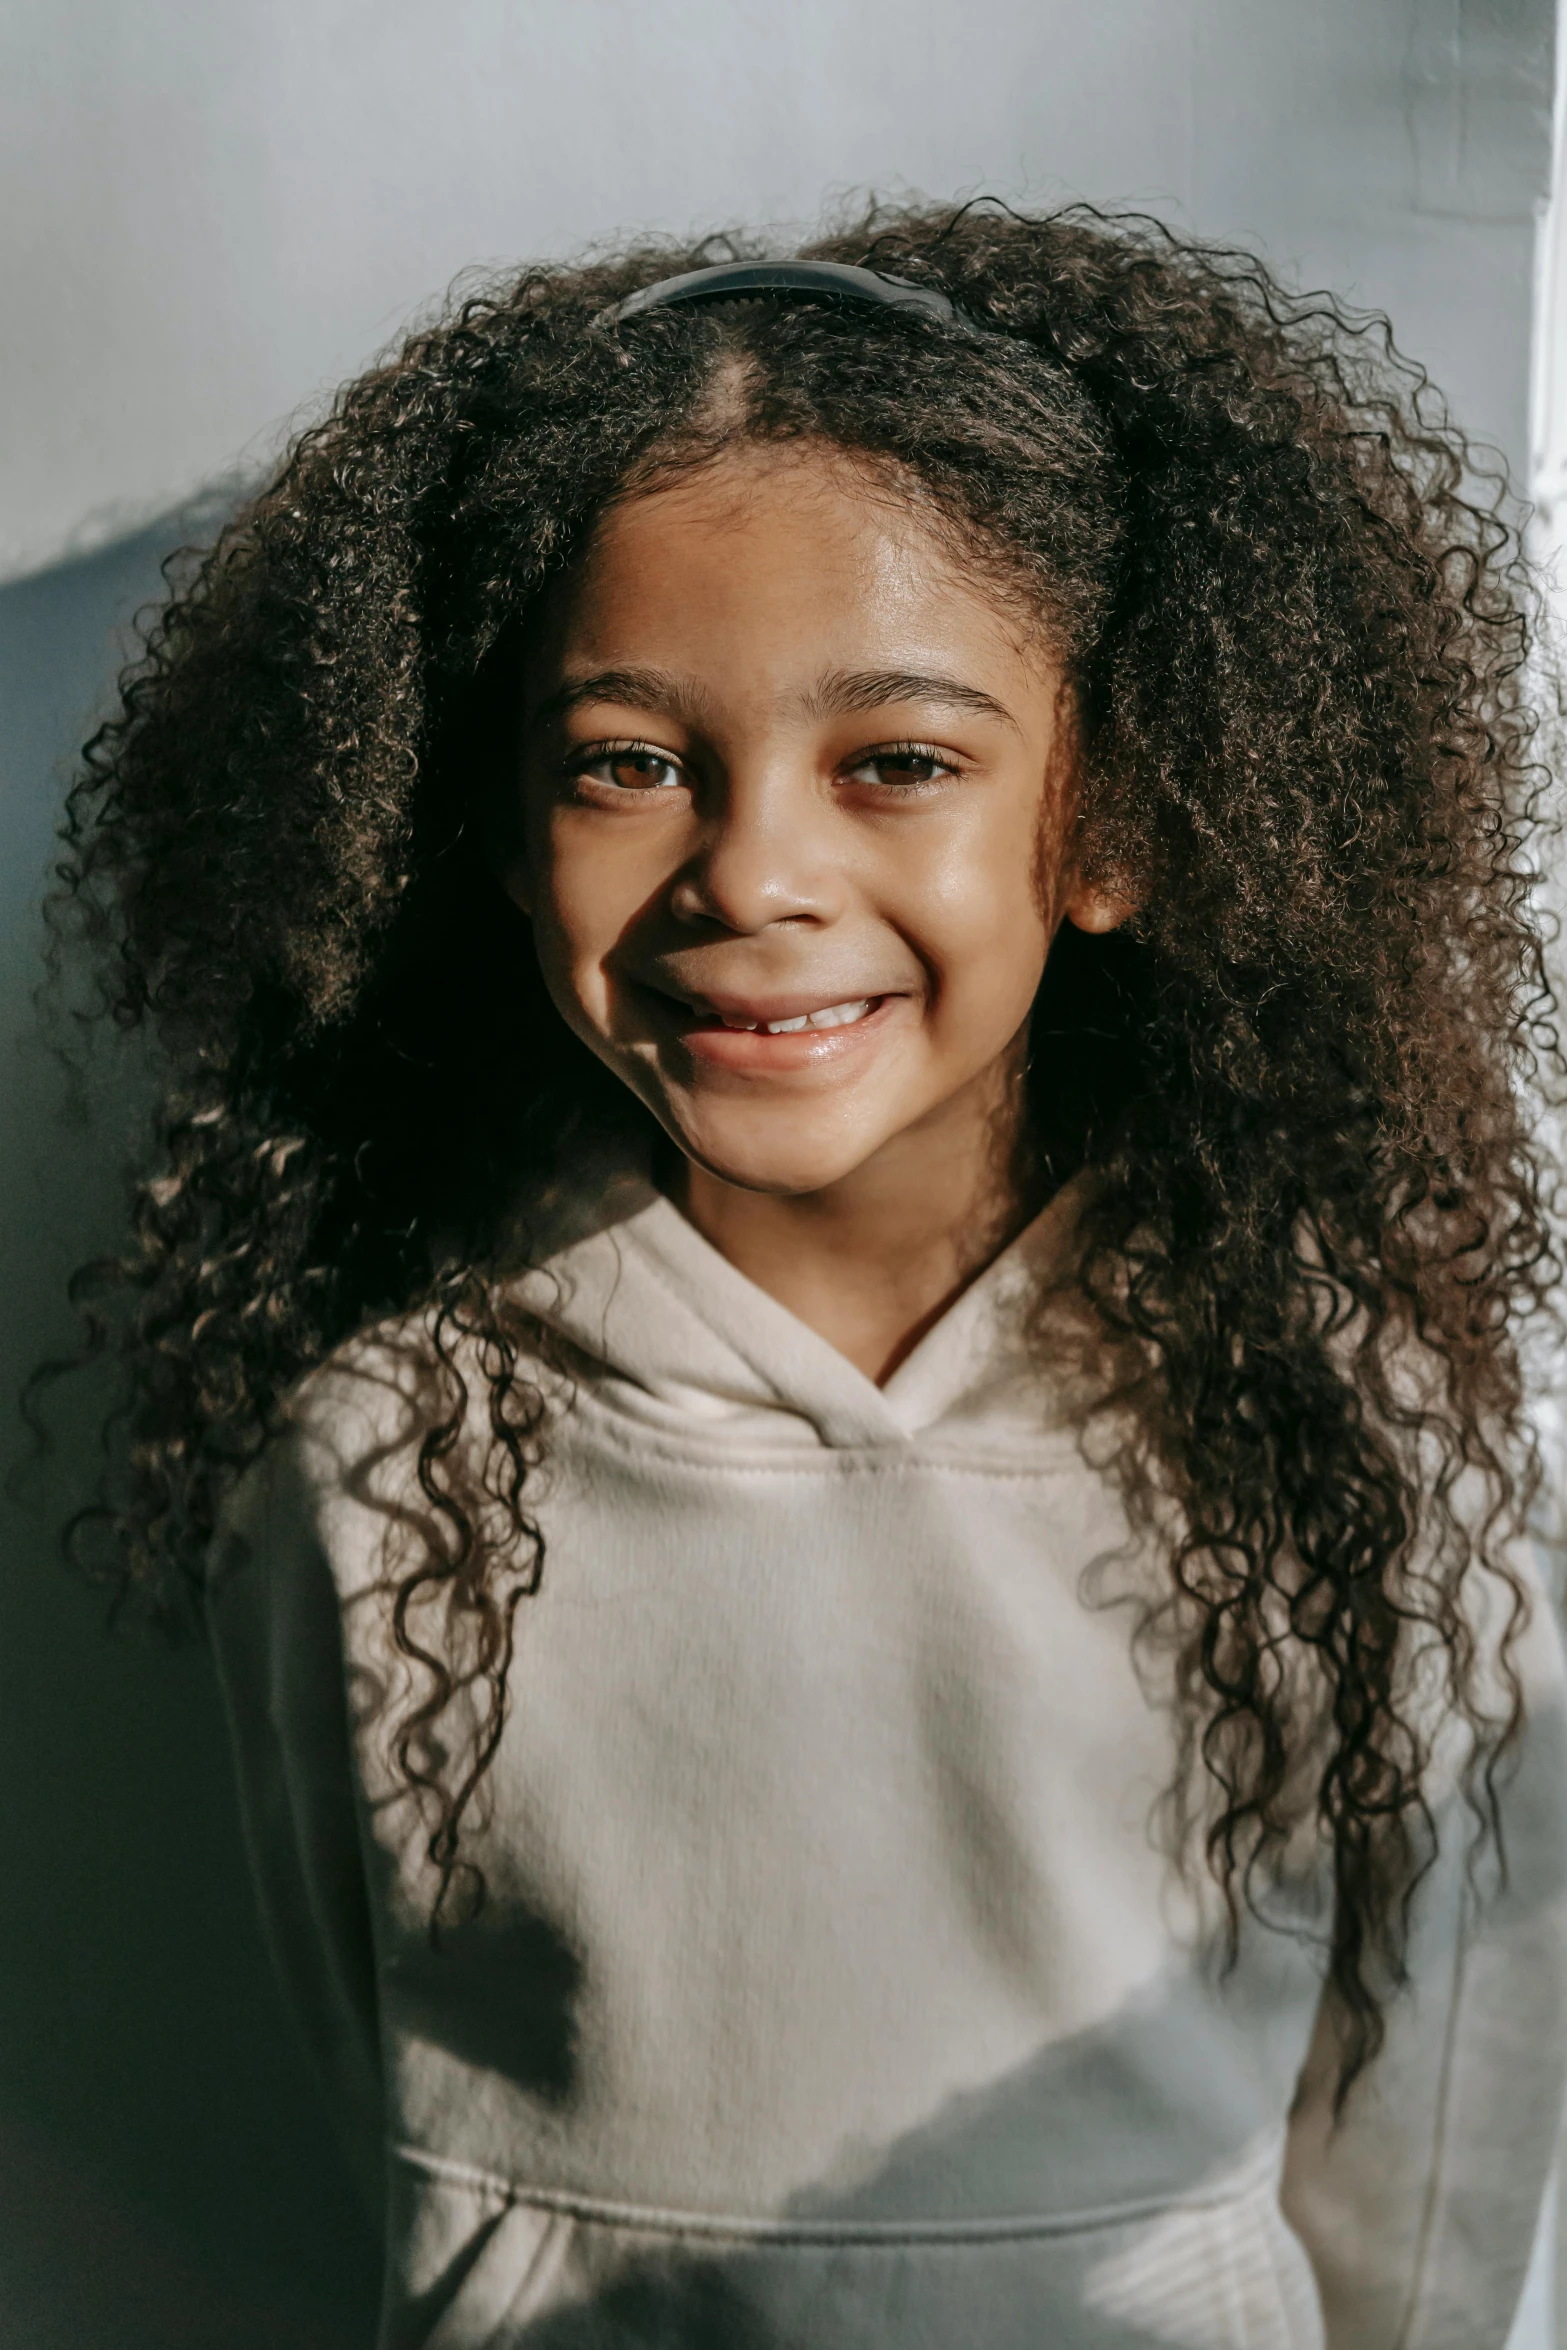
(904, 767)
(634, 768)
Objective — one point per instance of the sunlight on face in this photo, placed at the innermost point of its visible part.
(795, 824)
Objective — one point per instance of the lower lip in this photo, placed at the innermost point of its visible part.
(751, 1052)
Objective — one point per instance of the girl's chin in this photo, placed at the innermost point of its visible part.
(782, 1166)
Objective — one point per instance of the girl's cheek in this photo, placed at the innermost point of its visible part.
(990, 947)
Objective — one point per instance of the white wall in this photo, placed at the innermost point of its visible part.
(211, 210)
(1548, 387)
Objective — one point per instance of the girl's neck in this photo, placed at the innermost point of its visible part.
(871, 1262)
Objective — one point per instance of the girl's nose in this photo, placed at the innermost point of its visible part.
(763, 860)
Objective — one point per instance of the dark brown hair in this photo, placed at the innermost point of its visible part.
(1296, 630)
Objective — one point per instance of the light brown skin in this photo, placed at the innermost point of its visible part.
(740, 800)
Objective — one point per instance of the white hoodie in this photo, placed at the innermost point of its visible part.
(833, 1991)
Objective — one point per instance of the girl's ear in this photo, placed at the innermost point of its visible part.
(1099, 905)
(516, 875)
(496, 764)
(505, 850)
(1096, 906)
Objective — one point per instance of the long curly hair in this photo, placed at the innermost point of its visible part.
(1296, 623)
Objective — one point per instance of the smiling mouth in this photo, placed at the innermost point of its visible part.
(702, 1015)
(830, 1016)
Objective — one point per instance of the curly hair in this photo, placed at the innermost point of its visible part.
(1296, 624)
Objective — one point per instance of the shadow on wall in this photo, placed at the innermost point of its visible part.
(166, 2172)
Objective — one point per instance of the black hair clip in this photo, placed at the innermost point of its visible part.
(820, 281)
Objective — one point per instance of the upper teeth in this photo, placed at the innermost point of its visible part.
(830, 1016)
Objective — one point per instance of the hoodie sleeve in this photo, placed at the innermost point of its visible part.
(1419, 2208)
(273, 1619)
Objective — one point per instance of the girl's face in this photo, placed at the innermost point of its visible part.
(798, 801)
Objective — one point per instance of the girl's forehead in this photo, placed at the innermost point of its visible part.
(809, 541)
(808, 493)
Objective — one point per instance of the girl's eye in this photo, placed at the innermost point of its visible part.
(902, 767)
(631, 767)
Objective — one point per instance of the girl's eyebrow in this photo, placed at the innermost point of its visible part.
(634, 689)
(841, 693)
(846, 692)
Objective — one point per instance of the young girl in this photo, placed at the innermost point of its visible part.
(831, 1310)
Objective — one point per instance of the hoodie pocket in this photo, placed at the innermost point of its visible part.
(478, 2264)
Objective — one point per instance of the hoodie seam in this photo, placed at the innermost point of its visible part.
(638, 1443)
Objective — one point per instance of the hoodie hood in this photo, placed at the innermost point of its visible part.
(649, 1308)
